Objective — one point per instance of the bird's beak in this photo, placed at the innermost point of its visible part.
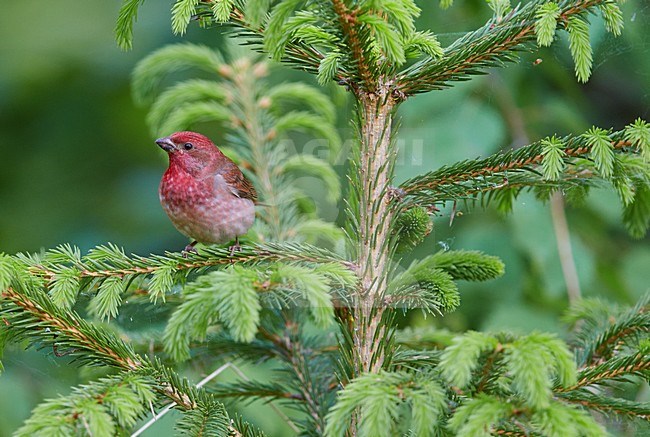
(166, 144)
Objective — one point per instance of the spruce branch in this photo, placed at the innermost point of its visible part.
(604, 331)
(607, 404)
(206, 418)
(149, 73)
(429, 289)
(182, 12)
(30, 314)
(619, 333)
(233, 297)
(221, 345)
(379, 397)
(613, 369)
(609, 347)
(309, 40)
(580, 47)
(111, 272)
(533, 365)
(429, 283)
(493, 415)
(479, 415)
(613, 17)
(493, 45)
(468, 265)
(299, 360)
(562, 419)
(184, 94)
(169, 407)
(248, 26)
(97, 408)
(503, 175)
(500, 165)
(241, 428)
(109, 266)
(461, 359)
(288, 94)
(547, 15)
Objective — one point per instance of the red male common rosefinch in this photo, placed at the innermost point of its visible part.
(203, 192)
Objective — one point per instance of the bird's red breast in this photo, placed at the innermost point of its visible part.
(203, 192)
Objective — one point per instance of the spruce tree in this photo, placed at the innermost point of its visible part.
(319, 302)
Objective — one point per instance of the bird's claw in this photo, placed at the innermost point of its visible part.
(189, 249)
(234, 248)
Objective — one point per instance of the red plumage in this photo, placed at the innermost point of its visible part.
(203, 192)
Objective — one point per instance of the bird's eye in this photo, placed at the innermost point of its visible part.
(188, 146)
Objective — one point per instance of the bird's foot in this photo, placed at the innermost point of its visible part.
(189, 249)
(235, 247)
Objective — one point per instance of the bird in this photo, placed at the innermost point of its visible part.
(204, 193)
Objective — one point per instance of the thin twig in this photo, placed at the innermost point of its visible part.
(565, 251)
(168, 407)
(516, 122)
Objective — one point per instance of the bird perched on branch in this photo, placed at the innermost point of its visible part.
(203, 192)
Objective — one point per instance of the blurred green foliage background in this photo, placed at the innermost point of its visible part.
(79, 164)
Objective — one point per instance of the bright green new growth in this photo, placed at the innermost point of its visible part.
(109, 297)
(226, 296)
(580, 47)
(459, 361)
(125, 21)
(613, 17)
(445, 4)
(535, 361)
(553, 158)
(379, 398)
(207, 419)
(500, 7)
(602, 151)
(639, 133)
(182, 11)
(430, 283)
(99, 408)
(547, 15)
(479, 415)
(64, 287)
(221, 10)
(525, 369)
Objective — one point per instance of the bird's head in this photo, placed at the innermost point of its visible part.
(192, 152)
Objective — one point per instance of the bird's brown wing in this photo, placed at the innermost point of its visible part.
(238, 184)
